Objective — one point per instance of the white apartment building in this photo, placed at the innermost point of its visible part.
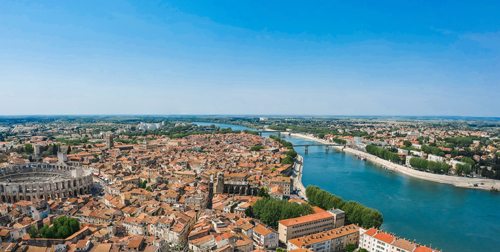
(435, 158)
(265, 237)
(151, 126)
(358, 140)
(375, 240)
(327, 241)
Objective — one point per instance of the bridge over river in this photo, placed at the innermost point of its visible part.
(327, 146)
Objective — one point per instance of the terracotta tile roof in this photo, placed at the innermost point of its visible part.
(305, 219)
(423, 249)
(371, 231)
(325, 236)
(385, 237)
(318, 209)
(260, 229)
(404, 244)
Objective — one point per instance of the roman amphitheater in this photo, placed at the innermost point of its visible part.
(43, 181)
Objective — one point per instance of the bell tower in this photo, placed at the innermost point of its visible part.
(219, 185)
(109, 141)
(61, 155)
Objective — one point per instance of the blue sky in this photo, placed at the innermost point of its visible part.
(250, 57)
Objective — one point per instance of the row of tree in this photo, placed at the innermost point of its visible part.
(283, 142)
(339, 141)
(460, 141)
(270, 210)
(425, 164)
(462, 169)
(73, 141)
(291, 154)
(432, 150)
(355, 212)
(382, 153)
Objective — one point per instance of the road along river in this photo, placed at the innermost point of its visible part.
(448, 217)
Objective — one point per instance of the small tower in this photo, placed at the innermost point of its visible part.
(61, 155)
(109, 141)
(219, 185)
(144, 144)
(37, 150)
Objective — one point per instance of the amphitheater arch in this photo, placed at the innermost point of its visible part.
(42, 181)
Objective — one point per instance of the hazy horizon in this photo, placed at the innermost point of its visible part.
(260, 58)
(469, 118)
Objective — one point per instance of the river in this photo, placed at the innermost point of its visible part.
(449, 218)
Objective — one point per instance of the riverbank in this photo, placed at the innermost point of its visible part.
(483, 184)
(297, 176)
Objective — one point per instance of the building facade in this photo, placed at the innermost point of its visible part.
(43, 181)
(305, 225)
(327, 241)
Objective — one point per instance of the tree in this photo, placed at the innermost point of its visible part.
(321, 135)
(256, 148)
(233, 207)
(75, 225)
(263, 192)
(445, 167)
(363, 250)
(292, 153)
(29, 148)
(407, 143)
(33, 231)
(249, 212)
(287, 160)
(43, 230)
(49, 233)
(461, 169)
(270, 210)
(468, 160)
(63, 232)
(350, 247)
(420, 140)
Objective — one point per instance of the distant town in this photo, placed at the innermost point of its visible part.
(168, 184)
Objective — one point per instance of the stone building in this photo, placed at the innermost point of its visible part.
(43, 181)
(233, 187)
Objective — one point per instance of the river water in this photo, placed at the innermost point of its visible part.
(440, 215)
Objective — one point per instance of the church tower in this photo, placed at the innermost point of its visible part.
(219, 185)
(145, 144)
(109, 141)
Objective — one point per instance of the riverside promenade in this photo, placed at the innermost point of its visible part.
(297, 176)
(464, 182)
